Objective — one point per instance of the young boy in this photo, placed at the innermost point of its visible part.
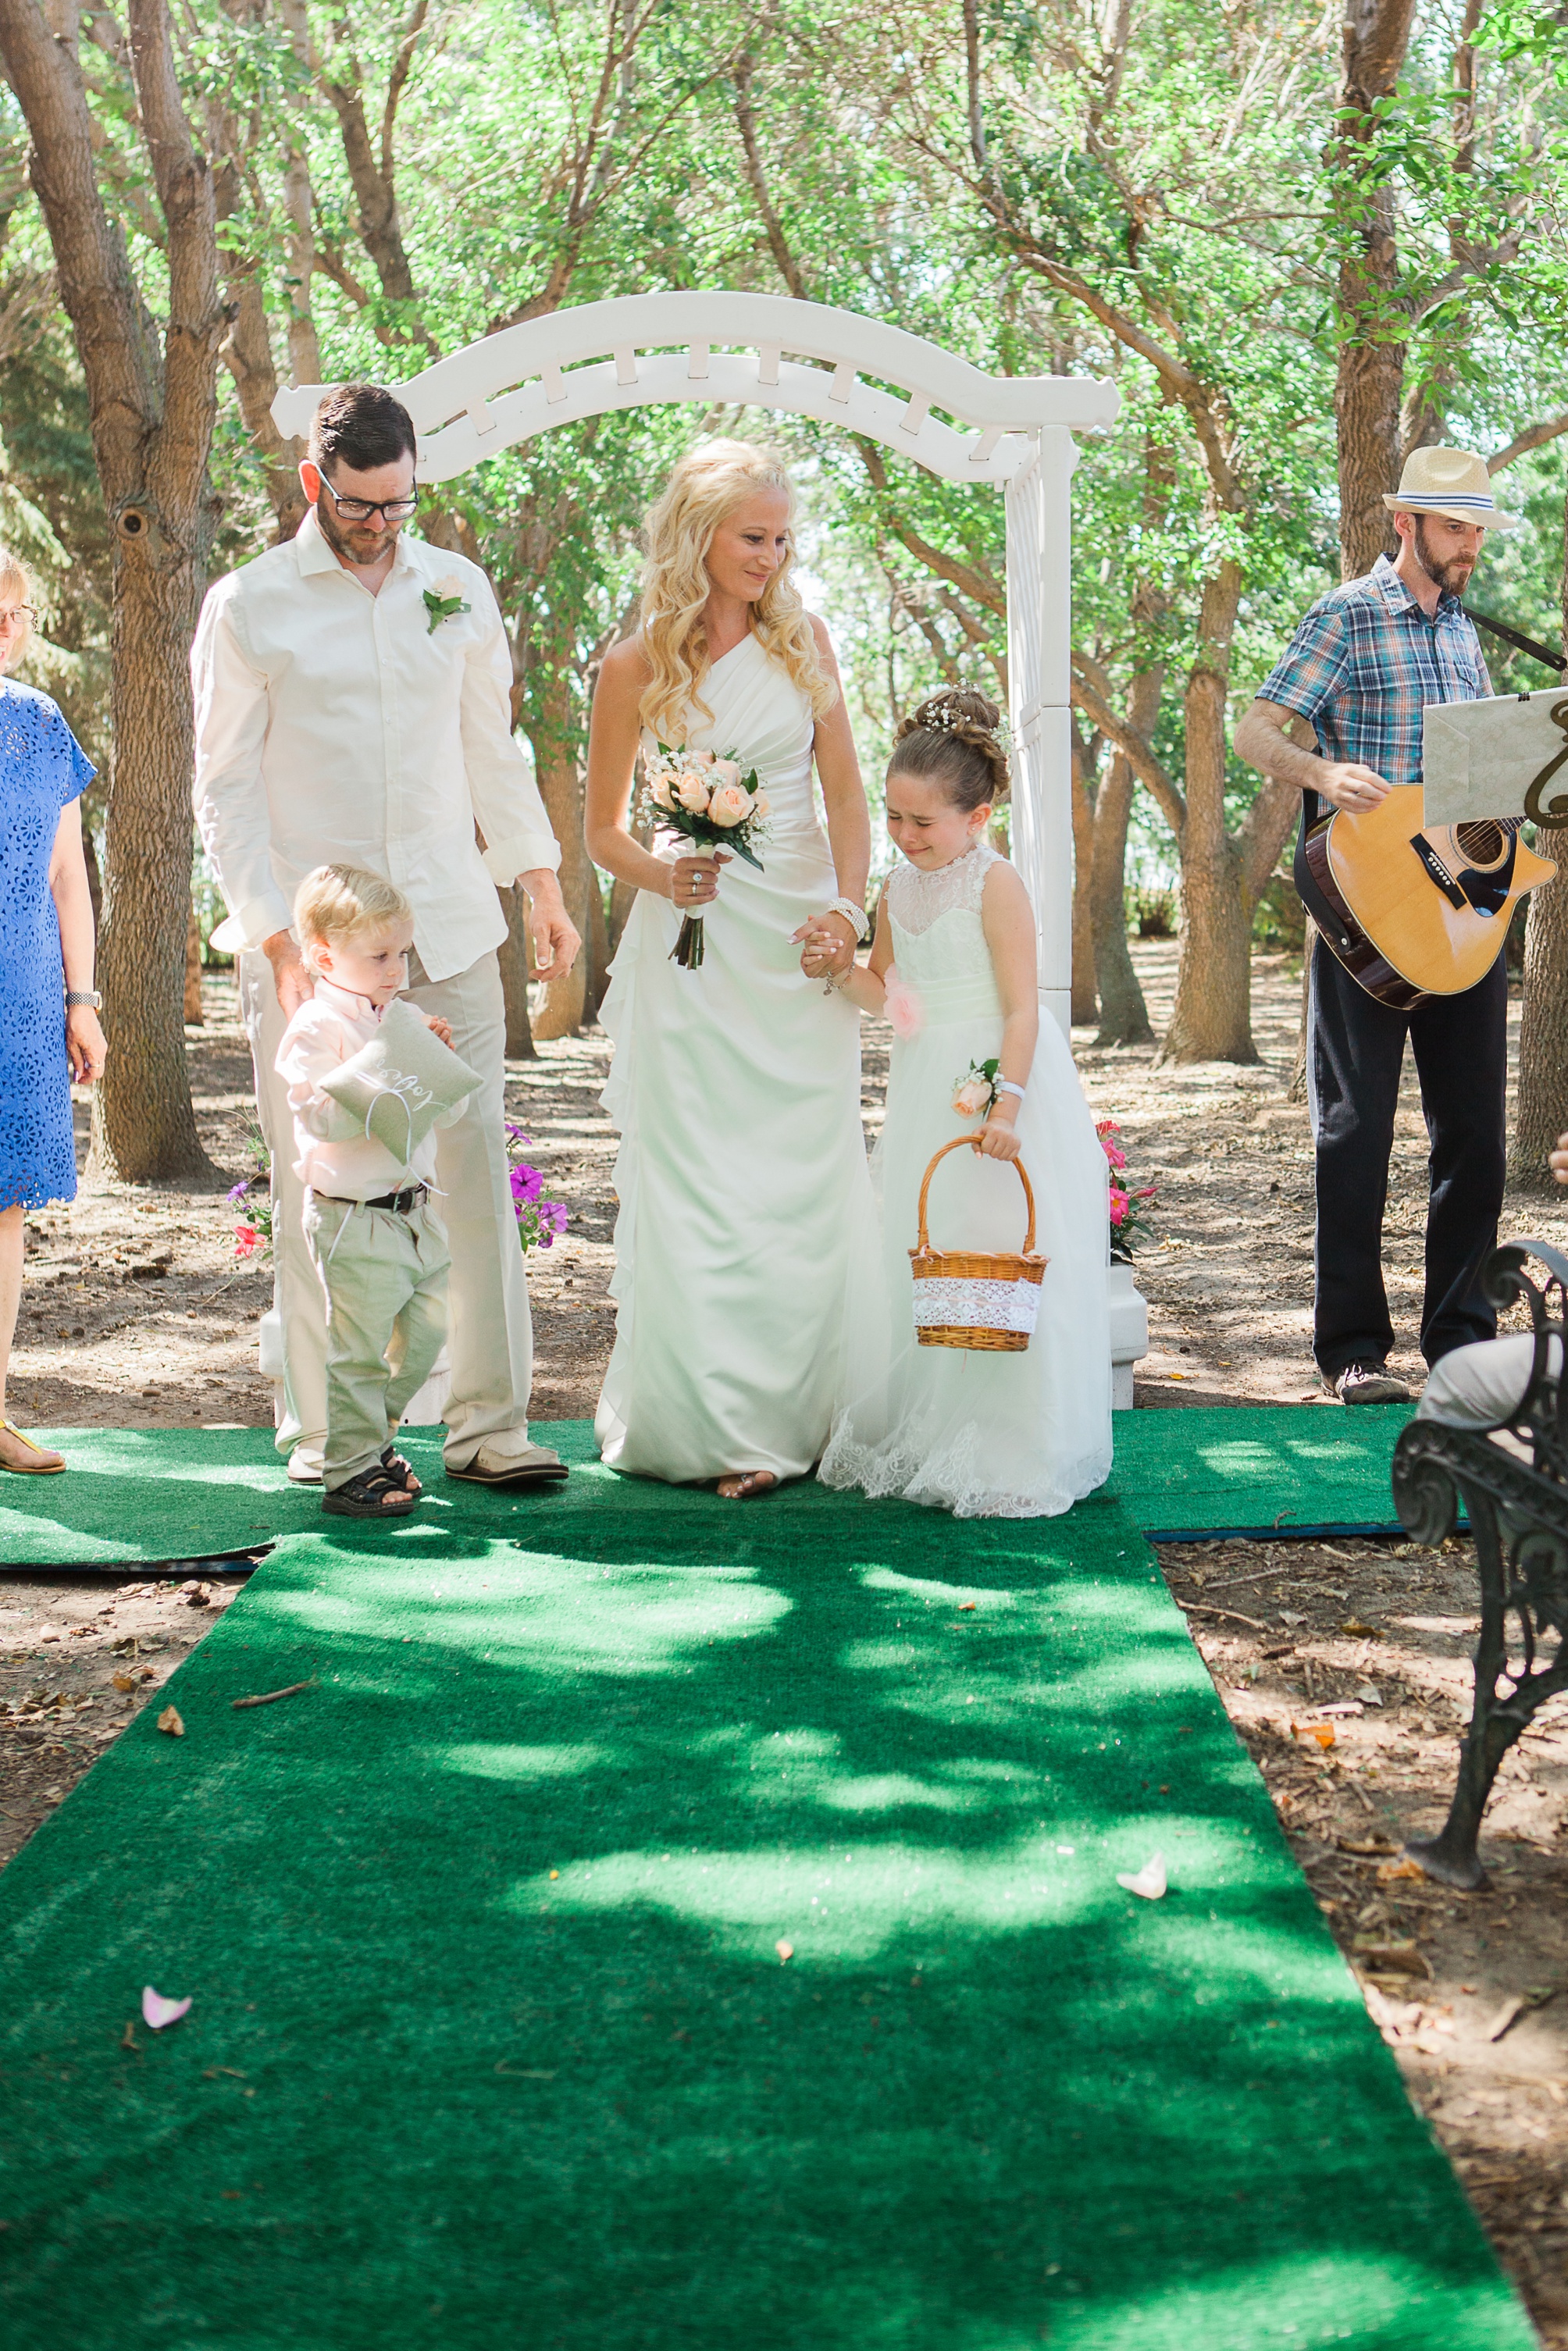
(374, 1240)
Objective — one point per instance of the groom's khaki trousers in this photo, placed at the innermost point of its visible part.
(489, 1336)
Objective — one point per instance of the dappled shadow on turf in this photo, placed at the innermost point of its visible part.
(489, 1924)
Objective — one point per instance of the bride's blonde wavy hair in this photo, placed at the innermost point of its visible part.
(706, 486)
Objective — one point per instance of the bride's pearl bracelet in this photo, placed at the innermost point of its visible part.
(856, 916)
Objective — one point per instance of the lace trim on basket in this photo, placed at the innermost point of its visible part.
(942, 1300)
(916, 900)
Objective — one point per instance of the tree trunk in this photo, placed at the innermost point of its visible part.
(153, 409)
(514, 956)
(1123, 1015)
(194, 1016)
(1540, 1111)
(570, 1005)
(143, 1123)
(1211, 1020)
(1085, 1006)
(1372, 328)
(1296, 1090)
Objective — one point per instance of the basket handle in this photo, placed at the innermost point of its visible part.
(972, 1142)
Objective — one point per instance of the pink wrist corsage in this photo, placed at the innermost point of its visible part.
(904, 1010)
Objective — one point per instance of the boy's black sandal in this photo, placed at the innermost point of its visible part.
(401, 1471)
(368, 1496)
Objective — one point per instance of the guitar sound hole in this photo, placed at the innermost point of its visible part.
(1483, 845)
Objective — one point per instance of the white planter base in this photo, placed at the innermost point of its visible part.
(1129, 1316)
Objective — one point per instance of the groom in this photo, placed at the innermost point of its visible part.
(352, 702)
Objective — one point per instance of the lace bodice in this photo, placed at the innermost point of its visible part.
(916, 900)
(938, 941)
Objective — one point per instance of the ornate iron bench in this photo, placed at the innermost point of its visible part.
(1512, 1477)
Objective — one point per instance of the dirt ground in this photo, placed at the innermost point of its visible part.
(136, 1314)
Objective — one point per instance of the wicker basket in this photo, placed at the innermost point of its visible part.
(975, 1298)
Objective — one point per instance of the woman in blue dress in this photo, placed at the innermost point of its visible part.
(50, 1033)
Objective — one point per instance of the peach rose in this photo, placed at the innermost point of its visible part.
(451, 585)
(760, 805)
(726, 771)
(972, 1097)
(659, 788)
(730, 805)
(692, 790)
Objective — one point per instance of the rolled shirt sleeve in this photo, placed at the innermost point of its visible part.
(229, 794)
(519, 837)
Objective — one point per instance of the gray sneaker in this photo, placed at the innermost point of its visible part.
(1371, 1384)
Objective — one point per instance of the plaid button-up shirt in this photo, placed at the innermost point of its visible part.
(1364, 664)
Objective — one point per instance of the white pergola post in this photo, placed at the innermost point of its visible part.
(714, 346)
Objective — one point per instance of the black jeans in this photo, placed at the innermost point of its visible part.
(1355, 1048)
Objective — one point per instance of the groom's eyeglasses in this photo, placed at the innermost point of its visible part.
(361, 509)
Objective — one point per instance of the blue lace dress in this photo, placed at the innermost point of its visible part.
(42, 768)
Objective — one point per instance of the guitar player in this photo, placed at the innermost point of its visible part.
(1361, 668)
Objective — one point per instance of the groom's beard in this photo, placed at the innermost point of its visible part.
(353, 541)
(1452, 576)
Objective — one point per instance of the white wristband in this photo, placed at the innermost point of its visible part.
(1005, 1086)
(855, 916)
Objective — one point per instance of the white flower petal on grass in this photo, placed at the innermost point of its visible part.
(1149, 1881)
(157, 2012)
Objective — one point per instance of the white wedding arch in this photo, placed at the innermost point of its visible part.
(652, 349)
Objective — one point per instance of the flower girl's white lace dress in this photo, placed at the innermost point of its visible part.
(985, 1434)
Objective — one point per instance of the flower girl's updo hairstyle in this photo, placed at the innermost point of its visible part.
(952, 740)
(706, 488)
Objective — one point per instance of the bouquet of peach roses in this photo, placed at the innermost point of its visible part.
(707, 798)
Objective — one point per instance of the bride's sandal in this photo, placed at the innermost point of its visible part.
(47, 1465)
(747, 1485)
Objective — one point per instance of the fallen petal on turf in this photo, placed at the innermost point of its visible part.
(172, 1721)
(1149, 1881)
(785, 1950)
(157, 2012)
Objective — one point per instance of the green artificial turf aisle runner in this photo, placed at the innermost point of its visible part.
(187, 1493)
(1249, 1469)
(493, 2044)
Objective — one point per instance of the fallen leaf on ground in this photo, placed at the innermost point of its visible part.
(1404, 1867)
(1291, 1616)
(1322, 1731)
(124, 1681)
(785, 1950)
(1518, 2004)
(1369, 1694)
(172, 1721)
(157, 2012)
(1354, 1624)
(1365, 1845)
(1150, 1881)
(1400, 1959)
(128, 2038)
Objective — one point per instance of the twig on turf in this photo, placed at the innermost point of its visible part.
(270, 1698)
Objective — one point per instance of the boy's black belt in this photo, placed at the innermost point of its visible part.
(400, 1203)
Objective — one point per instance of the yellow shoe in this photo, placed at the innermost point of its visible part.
(47, 1465)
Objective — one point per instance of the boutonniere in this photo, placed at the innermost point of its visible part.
(445, 601)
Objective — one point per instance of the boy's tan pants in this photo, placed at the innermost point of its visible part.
(385, 1278)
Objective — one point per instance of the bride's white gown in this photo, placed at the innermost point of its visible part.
(741, 1176)
(996, 1435)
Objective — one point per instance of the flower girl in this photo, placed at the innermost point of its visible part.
(983, 1434)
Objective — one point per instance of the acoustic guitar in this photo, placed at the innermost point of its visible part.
(1413, 910)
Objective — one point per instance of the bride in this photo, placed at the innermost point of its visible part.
(741, 1176)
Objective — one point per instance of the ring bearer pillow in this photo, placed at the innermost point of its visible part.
(396, 1087)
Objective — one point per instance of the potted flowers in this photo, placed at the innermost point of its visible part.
(1128, 1311)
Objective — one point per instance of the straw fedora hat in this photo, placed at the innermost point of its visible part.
(1452, 482)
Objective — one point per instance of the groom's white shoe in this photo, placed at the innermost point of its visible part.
(509, 1458)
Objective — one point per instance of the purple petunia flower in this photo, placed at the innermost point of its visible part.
(240, 1189)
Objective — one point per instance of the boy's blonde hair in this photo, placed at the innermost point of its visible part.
(342, 901)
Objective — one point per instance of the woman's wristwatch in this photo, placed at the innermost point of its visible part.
(89, 996)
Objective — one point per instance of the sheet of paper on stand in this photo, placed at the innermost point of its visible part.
(1482, 759)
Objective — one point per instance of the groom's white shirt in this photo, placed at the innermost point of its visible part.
(333, 726)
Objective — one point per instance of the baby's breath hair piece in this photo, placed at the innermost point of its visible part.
(956, 739)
